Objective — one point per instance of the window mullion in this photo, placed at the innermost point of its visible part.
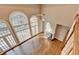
(12, 31)
(29, 23)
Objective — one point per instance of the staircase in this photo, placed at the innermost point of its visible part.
(71, 41)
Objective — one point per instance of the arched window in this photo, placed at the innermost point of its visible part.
(19, 22)
(6, 38)
(48, 30)
(34, 24)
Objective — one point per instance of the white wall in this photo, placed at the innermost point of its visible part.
(59, 14)
(29, 10)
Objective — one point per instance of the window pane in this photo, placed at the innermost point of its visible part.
(3, 45)
(34, 24)
(33, 31)
(23, 35)
(36, 29)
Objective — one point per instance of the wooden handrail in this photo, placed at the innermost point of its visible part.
(19, 44)
(73, 25)
(70, 51)
(73, 30)
(69, 35)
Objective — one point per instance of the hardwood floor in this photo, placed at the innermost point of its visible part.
(38, 46)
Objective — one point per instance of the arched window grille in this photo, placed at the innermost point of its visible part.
(19, 22)
(34, 24)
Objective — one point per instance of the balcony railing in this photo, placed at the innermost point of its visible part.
(9, 49)
(13, 36)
